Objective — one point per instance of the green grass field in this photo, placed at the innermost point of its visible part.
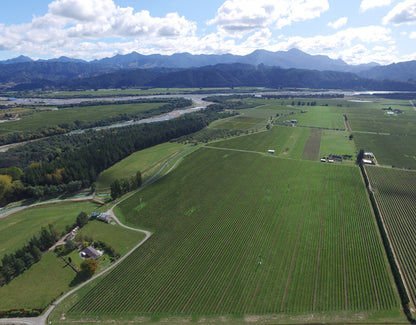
(337, 143)
(281, 237)
(241, 123)
(38, 286)
(50, 277)
(16, 229)
(121, 239)
(146, 161)
(70, 115)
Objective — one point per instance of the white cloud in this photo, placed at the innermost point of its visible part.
(402, 13)
(70, 25)
(339, 23)
(369, 4)
(413, 35)
(348, 44)
(239, 17)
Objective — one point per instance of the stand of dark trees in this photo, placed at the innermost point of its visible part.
(15, 264)
(121, 186)
(63, 128)
(67, 163)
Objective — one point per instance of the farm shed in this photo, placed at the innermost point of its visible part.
(368, 155)
(367, 161)
(91, 252)
(104, 217)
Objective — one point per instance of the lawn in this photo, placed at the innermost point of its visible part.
(146, 161)
(121, 239)
(37, 287)
(49, 278)
(16, 229)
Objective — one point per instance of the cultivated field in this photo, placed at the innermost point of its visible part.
(240, 233)
(146, 161)
(395, 193)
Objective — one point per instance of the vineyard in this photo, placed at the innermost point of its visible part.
(247, 234)
(286, 141)
(395, 193)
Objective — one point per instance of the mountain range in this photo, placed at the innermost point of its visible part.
(23, 71)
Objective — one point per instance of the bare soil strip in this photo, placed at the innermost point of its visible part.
(312, 145)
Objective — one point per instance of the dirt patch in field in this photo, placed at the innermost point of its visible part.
(312, 145)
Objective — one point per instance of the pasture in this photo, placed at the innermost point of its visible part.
(395, 193)
(242, 233)
(146, 161)
(16, 229)
(50, 277)
(54, 118)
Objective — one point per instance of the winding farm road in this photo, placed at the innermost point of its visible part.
(42, 320)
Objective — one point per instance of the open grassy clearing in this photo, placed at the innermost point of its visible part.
(16, 229)
(286, 141)
(240, 123)
(121, 239)
(395, 192)
(146, 161)
(337, 143)
(318, 116)
(70, 115)
(302, 240)
(38, 286)
(50, 277)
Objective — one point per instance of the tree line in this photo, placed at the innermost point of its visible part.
(62, 128)
(67, 163)
(121, 186)
(16, 263)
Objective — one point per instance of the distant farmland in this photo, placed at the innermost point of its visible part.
(248, 234)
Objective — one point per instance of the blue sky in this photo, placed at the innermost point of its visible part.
(356, 31)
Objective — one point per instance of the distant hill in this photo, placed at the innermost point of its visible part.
(24, 73)
(291, 59)
(402, 71)
(234, 75)
(19, 59)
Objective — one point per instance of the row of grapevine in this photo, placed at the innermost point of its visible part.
(264, 235)
(395, 192)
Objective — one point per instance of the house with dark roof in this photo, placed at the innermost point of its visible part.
(90, 252)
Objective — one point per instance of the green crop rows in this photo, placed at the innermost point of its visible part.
(395, 191)
(244, 233)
